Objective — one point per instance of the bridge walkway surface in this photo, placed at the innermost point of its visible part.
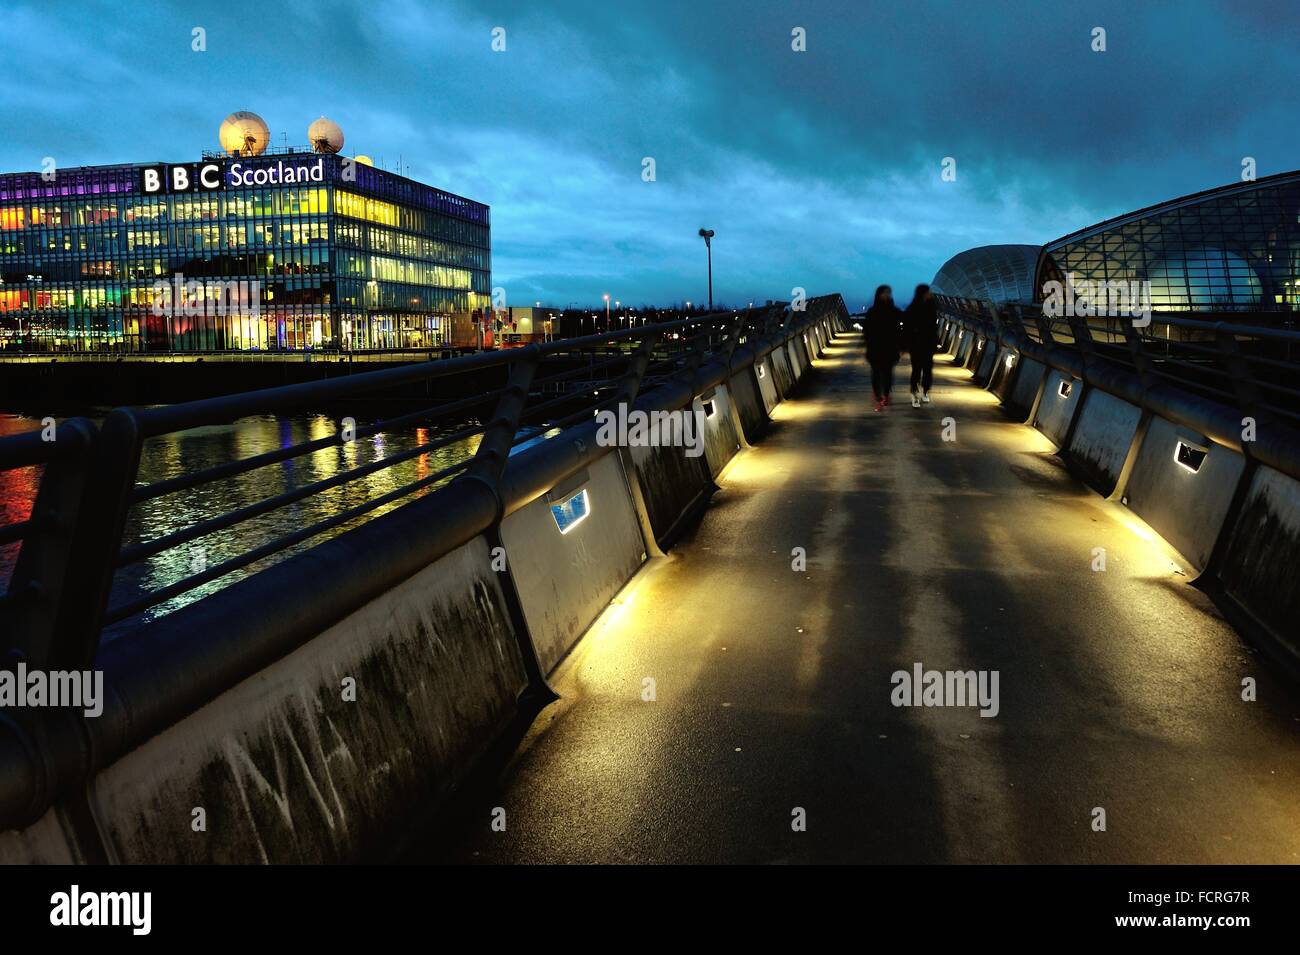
(1119, 689)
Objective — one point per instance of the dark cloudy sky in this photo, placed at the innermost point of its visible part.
(818, 169)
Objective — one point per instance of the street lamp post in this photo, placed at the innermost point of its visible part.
(606, 311)
(707, 236)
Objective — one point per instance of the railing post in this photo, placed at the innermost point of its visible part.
(1248, 400)
(1243, 382)
(995, 316)
(43, 614)
(118, 466)
(488, 467)
(60, 587)
(1141, 360)
(695, 357)
(1082, 340)
(493, 452)
(733, 339)
(629, 387)
(775, 319)
(1044, 325)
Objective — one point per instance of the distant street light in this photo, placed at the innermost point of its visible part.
(707, 236)
(606, 297)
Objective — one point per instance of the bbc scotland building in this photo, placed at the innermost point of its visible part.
(342, 256)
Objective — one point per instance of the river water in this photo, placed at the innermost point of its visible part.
(189, 451)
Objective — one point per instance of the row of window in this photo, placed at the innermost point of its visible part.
(214, 254)
(404, 296)
(242, 204)
(383, 268)
(284, 329)
(264, 234)
(379, 239)
(412, 220)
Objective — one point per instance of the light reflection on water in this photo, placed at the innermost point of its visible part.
(17, 491)
(188, 451)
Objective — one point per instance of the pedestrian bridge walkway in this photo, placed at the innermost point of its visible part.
(1119, 689)
(472, 630)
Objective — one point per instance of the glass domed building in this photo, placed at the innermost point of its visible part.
(1234, 248)
(992, 273)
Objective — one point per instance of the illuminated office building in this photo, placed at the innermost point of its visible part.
(336, 253)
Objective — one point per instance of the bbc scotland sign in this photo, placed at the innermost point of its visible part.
(196, 177)
(238, 174)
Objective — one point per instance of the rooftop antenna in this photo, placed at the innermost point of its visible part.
(244, 134)
(325, 136)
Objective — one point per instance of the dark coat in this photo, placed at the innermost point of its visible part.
(881, 329)
(921, 328)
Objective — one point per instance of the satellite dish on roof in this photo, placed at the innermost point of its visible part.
(325, 136)
(244, 134)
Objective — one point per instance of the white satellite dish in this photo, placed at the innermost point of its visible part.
(244, 134)
(325, 136)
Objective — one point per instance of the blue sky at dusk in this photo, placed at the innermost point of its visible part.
(818, 169)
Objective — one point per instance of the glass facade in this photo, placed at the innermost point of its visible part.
(991, 273)
(1236, 248)
(276, 252)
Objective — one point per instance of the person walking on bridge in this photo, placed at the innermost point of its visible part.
(921, 339)
(881, 329)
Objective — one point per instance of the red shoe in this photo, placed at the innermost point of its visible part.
(878, 404)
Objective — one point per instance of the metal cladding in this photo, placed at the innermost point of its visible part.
(992, 273)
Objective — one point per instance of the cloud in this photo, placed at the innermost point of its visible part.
(818, 169)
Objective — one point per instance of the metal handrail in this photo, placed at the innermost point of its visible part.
(679, 346)
(1170, 374)
(54, 611)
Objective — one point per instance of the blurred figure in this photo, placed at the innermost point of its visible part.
(881, 329)
(921, 339)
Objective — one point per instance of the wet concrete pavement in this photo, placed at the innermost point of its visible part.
(1118, 689)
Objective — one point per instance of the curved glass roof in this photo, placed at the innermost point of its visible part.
(1234, 248)
(993, 273)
